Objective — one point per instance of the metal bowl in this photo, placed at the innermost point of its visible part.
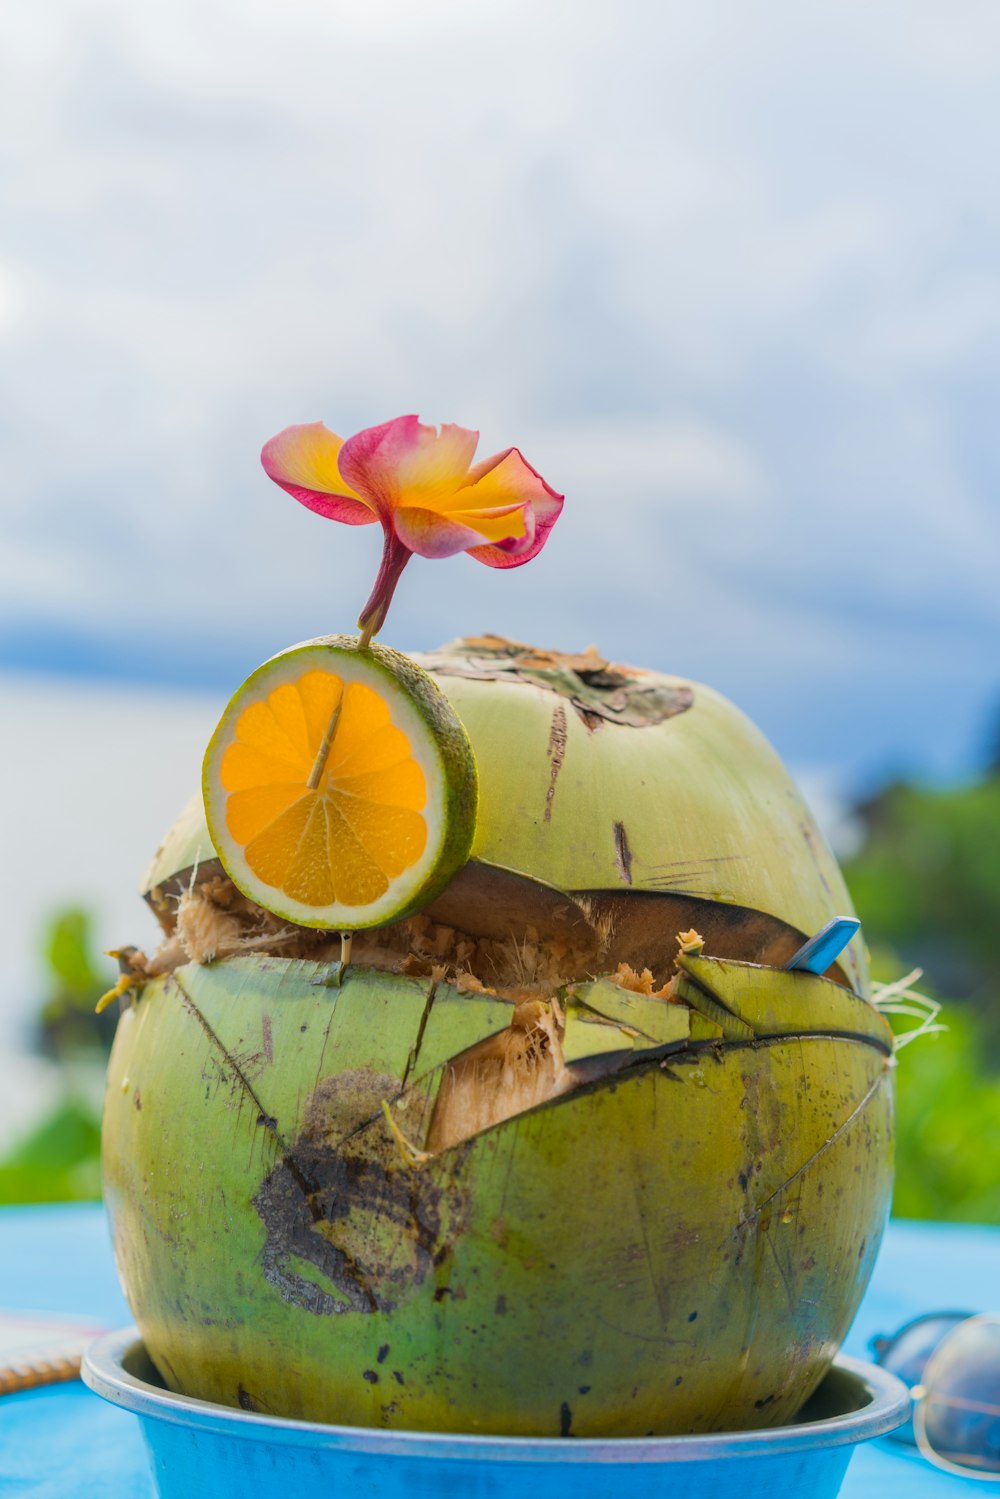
(198, 1448)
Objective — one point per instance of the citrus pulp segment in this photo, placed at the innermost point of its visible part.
(340, 787)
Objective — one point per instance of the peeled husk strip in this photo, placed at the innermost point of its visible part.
(525, 1063)
(503, 1075)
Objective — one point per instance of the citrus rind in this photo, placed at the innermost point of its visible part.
(391, 817)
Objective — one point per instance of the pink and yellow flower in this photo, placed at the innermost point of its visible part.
(423, 487)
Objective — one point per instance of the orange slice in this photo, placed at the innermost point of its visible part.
(340, 787)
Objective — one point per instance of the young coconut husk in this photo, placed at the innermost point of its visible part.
(534, 1167)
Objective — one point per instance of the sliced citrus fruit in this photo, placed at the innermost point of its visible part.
(340, 787)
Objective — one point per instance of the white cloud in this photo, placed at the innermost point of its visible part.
(628, 461)
(726, 274)
(9, 300)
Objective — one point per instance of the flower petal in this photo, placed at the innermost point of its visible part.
(304, 461)
(507, 477)
(406, 462)
(431, 534)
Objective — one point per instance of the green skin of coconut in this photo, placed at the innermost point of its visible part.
(677, 1243)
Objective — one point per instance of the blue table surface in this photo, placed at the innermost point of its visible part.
(62, 1442)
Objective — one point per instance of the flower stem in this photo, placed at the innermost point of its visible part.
(395, 556)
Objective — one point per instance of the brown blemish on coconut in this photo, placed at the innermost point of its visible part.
(623, 854)
(371, 1227)
(600, 691)
(556, 751)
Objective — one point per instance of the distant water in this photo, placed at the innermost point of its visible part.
(92, 777)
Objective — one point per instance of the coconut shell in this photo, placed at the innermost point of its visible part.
(677, 1246)
(676, 1242)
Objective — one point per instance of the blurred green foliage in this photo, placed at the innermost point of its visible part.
(948, 1127)
(926, 883)
(59, 1160)
(947, 1115)
(67, 1023)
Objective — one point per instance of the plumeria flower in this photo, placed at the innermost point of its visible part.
(423, 487)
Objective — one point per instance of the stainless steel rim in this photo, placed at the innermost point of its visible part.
(887, 1406)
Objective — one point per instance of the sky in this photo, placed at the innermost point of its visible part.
(728, 275)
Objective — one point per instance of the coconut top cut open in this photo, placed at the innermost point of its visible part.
(617, 806)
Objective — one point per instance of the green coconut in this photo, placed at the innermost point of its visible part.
(531, 1168)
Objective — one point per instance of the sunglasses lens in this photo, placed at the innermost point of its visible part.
(907, 1353)
(961, 1410)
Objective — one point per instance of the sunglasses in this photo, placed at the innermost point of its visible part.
(951, 1361)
